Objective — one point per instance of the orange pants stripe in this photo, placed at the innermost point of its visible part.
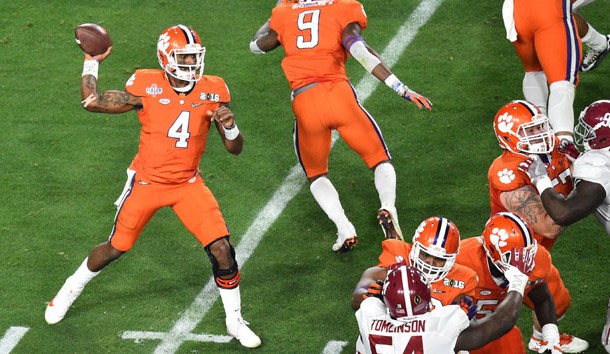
(331, 106)
(547, 39)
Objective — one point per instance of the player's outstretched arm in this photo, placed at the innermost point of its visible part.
(373, 63)
(112, 101)
(585, 198)
(483, 331)
(580, 203)
(370, 276)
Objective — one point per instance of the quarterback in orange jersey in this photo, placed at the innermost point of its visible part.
(522, 129)
(318, 37)
(176, 107)
(545, 37)
(545, 292)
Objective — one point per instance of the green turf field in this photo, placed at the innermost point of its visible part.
(63, 167)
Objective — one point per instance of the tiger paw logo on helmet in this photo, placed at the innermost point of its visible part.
(505, 123)
(163, 42)
(498, 237)
(506, 176)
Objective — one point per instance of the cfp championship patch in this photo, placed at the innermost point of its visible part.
(454, 283)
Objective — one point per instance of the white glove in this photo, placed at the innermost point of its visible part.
(403, 91)
(516, 280)
(550, 340)
(536, 171)
(518, 268)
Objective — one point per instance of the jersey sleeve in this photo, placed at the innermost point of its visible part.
(542, 267)
(217, 85)
(454, 320)
(469, 277)
(393, 251)
(504, 174)
(354, 13)
(594, 166)
(137, 83)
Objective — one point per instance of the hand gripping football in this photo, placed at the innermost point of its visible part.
(92, 38)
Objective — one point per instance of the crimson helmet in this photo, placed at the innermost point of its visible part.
(522, 128)
(406, 292)
(503, 232)
(179, 41)
(437, 237)
(593, 128)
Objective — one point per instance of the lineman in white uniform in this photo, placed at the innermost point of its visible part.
(400, 321)
(591, 194)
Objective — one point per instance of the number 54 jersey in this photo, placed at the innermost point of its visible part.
(174, 125)
(434, 332)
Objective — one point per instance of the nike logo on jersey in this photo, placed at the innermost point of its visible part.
(436, 291)
(197, 104)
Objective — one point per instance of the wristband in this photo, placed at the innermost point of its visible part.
(90, 67)
(543, 183)
(231, 133)
(392, 81)
(255, 49)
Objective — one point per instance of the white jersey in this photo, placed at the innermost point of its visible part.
(594, 166)
(435, 332)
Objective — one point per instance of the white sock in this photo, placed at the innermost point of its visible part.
(385, 182)
(535, 89)
(561, 110)
(328, 198)
(83, 275)
(595, 40)
(231, 301)
(536, 334)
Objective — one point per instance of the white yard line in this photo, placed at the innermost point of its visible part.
(12, 336)
(182, 330)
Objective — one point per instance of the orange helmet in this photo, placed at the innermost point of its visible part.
(437, 237)
(179, 41)
(522, 128)
(503, 232)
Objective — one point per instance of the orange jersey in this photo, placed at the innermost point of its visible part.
(504, 176)
(489, 294)
(311, 38)
(459, 281)
(174, 125)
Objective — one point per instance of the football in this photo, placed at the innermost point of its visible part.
(92, 38)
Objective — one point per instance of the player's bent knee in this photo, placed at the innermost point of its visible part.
(224, 264)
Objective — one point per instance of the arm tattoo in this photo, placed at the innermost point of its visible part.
(526, 202)
(113, 98)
